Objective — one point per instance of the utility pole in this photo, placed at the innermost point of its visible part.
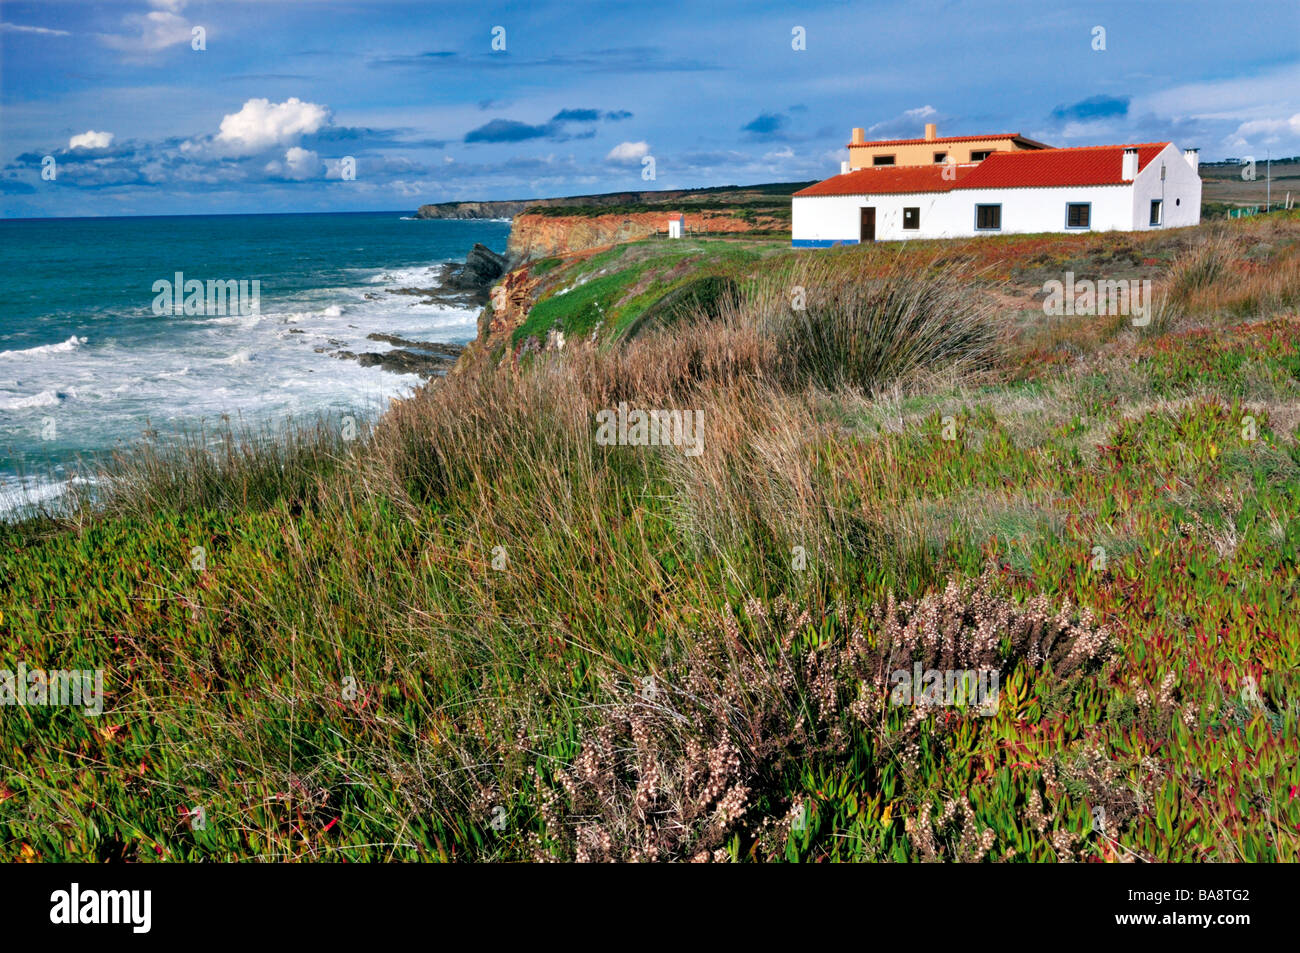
(1268, 180)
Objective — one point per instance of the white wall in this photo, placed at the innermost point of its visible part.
(1181, 191)
(825, 218)
(1043, 209)
(952, 214)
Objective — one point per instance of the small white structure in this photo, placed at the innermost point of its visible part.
(1087, 188)
(676, 226)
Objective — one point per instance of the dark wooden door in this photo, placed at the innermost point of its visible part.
(868, 225)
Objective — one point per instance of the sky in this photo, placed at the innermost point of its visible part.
(159, 107)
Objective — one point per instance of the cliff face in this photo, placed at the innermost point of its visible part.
(542, 236)
(472, 210)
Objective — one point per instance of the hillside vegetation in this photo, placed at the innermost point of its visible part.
(773, 194)
(474, 633)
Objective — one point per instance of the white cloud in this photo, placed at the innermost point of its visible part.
(407, 189)
(19, 28)
(1266, 131)
(152, 32)
(301, 163)
(1254, 96)
(628, 152)
(909, 125)
(91, 140)
(262, 124)
(1090, 132)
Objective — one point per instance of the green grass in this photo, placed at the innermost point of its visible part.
(615, 287)
(472, 634)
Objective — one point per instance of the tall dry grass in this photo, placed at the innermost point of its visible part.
(526, 431)
(866, 321)
(236, 466)
(1236, 273)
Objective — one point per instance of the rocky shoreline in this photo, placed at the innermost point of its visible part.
(457, 285)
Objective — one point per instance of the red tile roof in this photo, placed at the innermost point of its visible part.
(1080, 165)
(994, 136)
(890, 179)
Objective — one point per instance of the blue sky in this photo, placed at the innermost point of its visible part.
(139, 122)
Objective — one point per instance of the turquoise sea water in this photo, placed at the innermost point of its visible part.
(86, 365)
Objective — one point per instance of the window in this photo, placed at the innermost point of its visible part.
(911, 218)
(940, 156)
(1157, 211)
(981, 155)
(882, 160)
(1078, 214)
(988, 217)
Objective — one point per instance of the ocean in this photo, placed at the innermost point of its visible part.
(87, 364)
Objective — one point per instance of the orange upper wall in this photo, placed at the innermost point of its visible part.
(923, 151)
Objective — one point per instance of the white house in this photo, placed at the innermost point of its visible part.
(1087, 188)
(676, 224)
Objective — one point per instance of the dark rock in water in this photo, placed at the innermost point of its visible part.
(448, 350)
(463, 285)
(482, 267)
(426, 358)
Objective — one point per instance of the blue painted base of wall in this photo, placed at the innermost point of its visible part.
(821, 242)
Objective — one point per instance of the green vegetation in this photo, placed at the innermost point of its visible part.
(473, 633)
(615, 287)
(705, 297)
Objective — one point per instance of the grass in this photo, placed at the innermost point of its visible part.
(613, 288)
(472, 633)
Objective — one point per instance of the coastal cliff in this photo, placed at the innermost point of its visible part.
(775, 193)
(547, 236)
(537, 235)
(509, 208)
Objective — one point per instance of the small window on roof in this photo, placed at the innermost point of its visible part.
(882, 160)
(940, 156)
(981, 155)
(911, 218)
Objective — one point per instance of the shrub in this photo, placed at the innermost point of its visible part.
(1200, 267)
(694, 761)
(863, 325)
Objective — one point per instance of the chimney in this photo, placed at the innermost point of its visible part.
(930, 132)
(1129, 170)
(844, 167)
(858, 135)
(1193, 157)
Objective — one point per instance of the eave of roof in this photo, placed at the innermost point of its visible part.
(890, 180)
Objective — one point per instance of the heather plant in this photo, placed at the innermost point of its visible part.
(693, 762)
